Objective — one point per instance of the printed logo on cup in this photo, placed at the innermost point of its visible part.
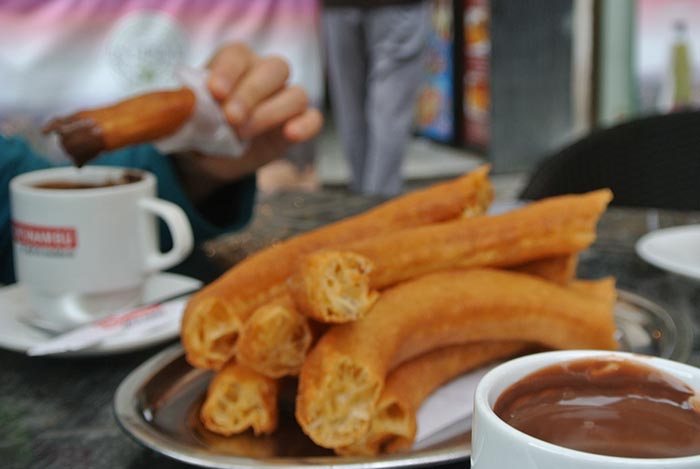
(45, 239)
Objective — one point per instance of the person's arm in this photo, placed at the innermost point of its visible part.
(226, 208)
(15, 158)
(216, 193)
(254, 100)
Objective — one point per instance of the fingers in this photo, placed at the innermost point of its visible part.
(227, 67)
(265, 78)
(304, 127)
(254, 97)
(275, 111)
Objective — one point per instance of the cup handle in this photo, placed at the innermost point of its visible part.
(180, 230)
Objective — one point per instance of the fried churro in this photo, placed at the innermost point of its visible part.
(215, 315)
(557, 269)
(343, 375)
(239, 398)
(341, 285)
(602, 289)
(140, 119)
(274, 341)
(393, 424)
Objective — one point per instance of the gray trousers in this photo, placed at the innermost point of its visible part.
(375, 62)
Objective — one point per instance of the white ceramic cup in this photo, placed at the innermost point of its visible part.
(497, 445)
(83, 253)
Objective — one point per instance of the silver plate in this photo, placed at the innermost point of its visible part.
(158, 404)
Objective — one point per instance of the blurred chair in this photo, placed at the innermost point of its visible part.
(648, 162)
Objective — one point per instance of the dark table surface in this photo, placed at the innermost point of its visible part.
(57, 412)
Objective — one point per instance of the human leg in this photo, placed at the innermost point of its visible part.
(397, 35)
(342, 28)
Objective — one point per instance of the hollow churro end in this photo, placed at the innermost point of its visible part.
(209, 332)
(335, 404)
(395, 428)
(392, 429)
(334, 286)
(275, 340)
(238, 399)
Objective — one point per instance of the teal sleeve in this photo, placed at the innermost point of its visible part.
(233, 203)
(15, 158)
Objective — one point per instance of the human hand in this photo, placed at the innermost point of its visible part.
(261, 108)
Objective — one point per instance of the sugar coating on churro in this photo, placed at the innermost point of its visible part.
(238, 399)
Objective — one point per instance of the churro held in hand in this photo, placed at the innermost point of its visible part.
(393, 425)
(340, 285)
(343, 375)
(239, 398)
(140, 119)
(215, 315)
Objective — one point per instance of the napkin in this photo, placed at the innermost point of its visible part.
(134, 323)
(207, 130)
(448, 410)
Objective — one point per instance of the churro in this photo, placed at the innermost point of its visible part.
(557, 269)
(215, 315)
(602, 289)
(239, 398)
(340, 285)
(139, 119)
(343, 375)
(274, 341)
(393, 424)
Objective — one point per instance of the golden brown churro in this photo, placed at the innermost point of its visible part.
(215, 315)
(393, 424)
(557, 269)
(274, 341)
(602, 289)
(239, 398)
(343, 375)
(139, 119)
(341, 285)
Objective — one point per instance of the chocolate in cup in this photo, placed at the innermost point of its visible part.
(598, 409)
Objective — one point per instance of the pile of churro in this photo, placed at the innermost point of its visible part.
(375, 312)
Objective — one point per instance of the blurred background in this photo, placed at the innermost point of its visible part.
(510, 83)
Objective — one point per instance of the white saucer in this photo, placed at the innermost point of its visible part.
(676, 250)
(17, 335)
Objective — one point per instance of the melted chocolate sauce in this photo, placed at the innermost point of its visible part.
(80, 137)
(604, 406)
(126, 178)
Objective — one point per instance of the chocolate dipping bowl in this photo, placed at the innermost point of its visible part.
(498, 445)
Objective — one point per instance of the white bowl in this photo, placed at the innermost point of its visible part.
(497, 445)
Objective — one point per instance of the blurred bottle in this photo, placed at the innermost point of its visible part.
(676, 89)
